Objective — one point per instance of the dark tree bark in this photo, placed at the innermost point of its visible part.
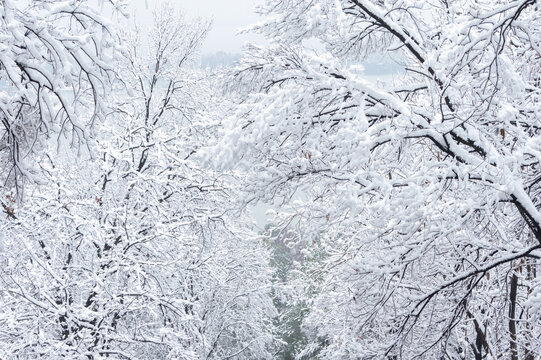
(512, 322)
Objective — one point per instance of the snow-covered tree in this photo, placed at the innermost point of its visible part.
(135, 253)
(423, 192)
(55, 72)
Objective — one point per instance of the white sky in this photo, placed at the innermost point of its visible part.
(227, 15)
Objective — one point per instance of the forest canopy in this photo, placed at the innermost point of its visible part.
(405, 214)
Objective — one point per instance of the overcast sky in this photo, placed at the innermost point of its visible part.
(227, 15)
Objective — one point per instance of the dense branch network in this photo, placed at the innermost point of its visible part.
(417, 197)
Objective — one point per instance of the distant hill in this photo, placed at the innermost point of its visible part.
(381, 65)
(373, 65)
(218, 59)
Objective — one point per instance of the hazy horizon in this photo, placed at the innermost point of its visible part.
(227, 18)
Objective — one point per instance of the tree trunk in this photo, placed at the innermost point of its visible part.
(531, 274)
(512, 323)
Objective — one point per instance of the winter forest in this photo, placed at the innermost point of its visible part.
(403, 216)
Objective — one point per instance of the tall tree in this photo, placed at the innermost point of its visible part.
(424, 192)
(136, 253)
